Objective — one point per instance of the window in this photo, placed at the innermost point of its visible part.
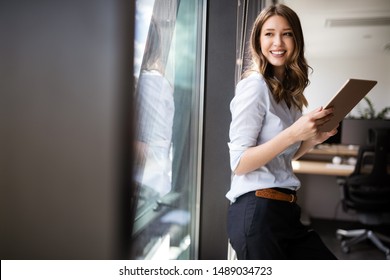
(168, 67)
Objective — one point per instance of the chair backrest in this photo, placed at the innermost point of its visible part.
(373, 160)
(382, 149)
(367, 189)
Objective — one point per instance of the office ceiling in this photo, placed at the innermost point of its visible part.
(344, 27)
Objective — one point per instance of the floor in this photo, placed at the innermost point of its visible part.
(362, 251)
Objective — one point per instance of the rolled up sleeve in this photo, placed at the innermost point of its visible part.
(248, 109)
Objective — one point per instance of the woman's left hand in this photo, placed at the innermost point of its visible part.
(323, 136)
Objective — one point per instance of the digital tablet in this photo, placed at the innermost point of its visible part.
(345, 100)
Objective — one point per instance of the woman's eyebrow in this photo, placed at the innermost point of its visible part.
(284, 29)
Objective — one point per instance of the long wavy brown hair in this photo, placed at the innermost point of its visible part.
(296, 75)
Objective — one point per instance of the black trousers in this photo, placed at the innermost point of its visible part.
(265, 229)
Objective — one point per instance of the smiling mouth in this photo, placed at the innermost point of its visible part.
(278, 52)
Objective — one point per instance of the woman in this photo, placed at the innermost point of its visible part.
(267, 132)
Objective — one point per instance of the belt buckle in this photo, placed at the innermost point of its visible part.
(292, 198)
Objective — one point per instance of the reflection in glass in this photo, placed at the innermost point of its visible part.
(155, 120)
(168, 61)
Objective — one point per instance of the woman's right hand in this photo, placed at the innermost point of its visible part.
(306, 127)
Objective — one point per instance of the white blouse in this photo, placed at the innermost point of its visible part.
(155, 112)
(256, 119)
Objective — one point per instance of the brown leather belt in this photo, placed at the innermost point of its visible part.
(276, 195)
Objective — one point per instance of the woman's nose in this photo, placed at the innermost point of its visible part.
(277, 40)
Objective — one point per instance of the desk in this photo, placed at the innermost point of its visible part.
(335, 150)
(321, 168)
(319, 161)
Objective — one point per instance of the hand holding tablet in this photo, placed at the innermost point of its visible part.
(345, 100)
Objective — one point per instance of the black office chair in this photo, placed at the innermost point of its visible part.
(367, 192)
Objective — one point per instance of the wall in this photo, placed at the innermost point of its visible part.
(219, 90)
(64, 191)
(330, 73)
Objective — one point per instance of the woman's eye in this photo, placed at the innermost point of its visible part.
(268, 34)
(289, 34)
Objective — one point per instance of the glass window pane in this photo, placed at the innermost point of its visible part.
(168, 66)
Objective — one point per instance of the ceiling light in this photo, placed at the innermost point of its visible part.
(350, 22)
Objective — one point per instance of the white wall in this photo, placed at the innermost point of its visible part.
(330, 73)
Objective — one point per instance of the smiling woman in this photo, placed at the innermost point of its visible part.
(266, 133)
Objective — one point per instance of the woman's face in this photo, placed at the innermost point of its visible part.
(277, 43)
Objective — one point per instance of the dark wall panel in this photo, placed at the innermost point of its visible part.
(220, 67)
(66, 69)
